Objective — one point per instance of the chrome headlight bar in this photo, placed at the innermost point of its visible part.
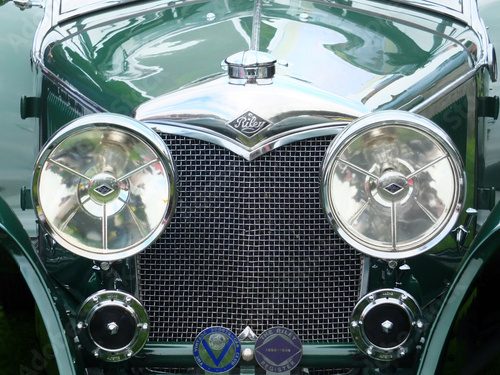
(104, 186)
(393, 184)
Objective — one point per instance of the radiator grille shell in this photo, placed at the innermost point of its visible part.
(249, 245)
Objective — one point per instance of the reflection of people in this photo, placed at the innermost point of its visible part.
(113, 153)
(378, 45)
(381, 149)
(380, 153)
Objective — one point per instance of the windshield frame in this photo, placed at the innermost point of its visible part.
(60, 14)
(458, 9)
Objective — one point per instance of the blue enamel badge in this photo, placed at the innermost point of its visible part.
(278, 350)
(216, 349)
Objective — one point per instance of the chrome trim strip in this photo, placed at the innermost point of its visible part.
(41, 32)
(492, 62)
(257, 18)
(478, 26)
(248, 153)
(444, 91)
(488, 57)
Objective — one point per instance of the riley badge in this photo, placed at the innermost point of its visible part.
(278, 350)
(249, 124)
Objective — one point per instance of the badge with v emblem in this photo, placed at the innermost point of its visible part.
(217, 349)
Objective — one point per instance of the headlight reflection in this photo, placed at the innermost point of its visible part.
(104, 186)
(392, 184)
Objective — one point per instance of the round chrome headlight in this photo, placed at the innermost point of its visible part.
(393, 184)
(104, 186)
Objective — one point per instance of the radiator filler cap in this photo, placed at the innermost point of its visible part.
(251, 67)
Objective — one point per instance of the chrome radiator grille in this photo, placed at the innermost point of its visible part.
(249, 245)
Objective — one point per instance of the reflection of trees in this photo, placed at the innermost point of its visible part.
(367, 160)
(378, 45)
(78, 156)
(129, 225)
(101, 151)
(98, 56)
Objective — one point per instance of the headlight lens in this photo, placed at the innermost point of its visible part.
(104, 186)
(392, 184)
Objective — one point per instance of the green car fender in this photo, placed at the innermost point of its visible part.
(483, 251)
(15, 242)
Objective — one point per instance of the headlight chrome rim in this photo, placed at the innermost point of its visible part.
(381, 120)
(103, 190)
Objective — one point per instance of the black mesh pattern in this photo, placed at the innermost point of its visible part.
(249, 245)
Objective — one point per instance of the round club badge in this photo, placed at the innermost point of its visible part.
(216, 349)
(278, 350)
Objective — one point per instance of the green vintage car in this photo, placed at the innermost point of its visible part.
(250, 187)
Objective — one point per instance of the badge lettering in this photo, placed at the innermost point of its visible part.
(217, 349)
(249, 124)
(278, 350)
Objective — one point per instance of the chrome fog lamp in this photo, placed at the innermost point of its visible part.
(104, 186)
(113, 325)
(392, 184)
(386, 324)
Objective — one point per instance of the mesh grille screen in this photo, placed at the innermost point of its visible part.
(249, 245)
